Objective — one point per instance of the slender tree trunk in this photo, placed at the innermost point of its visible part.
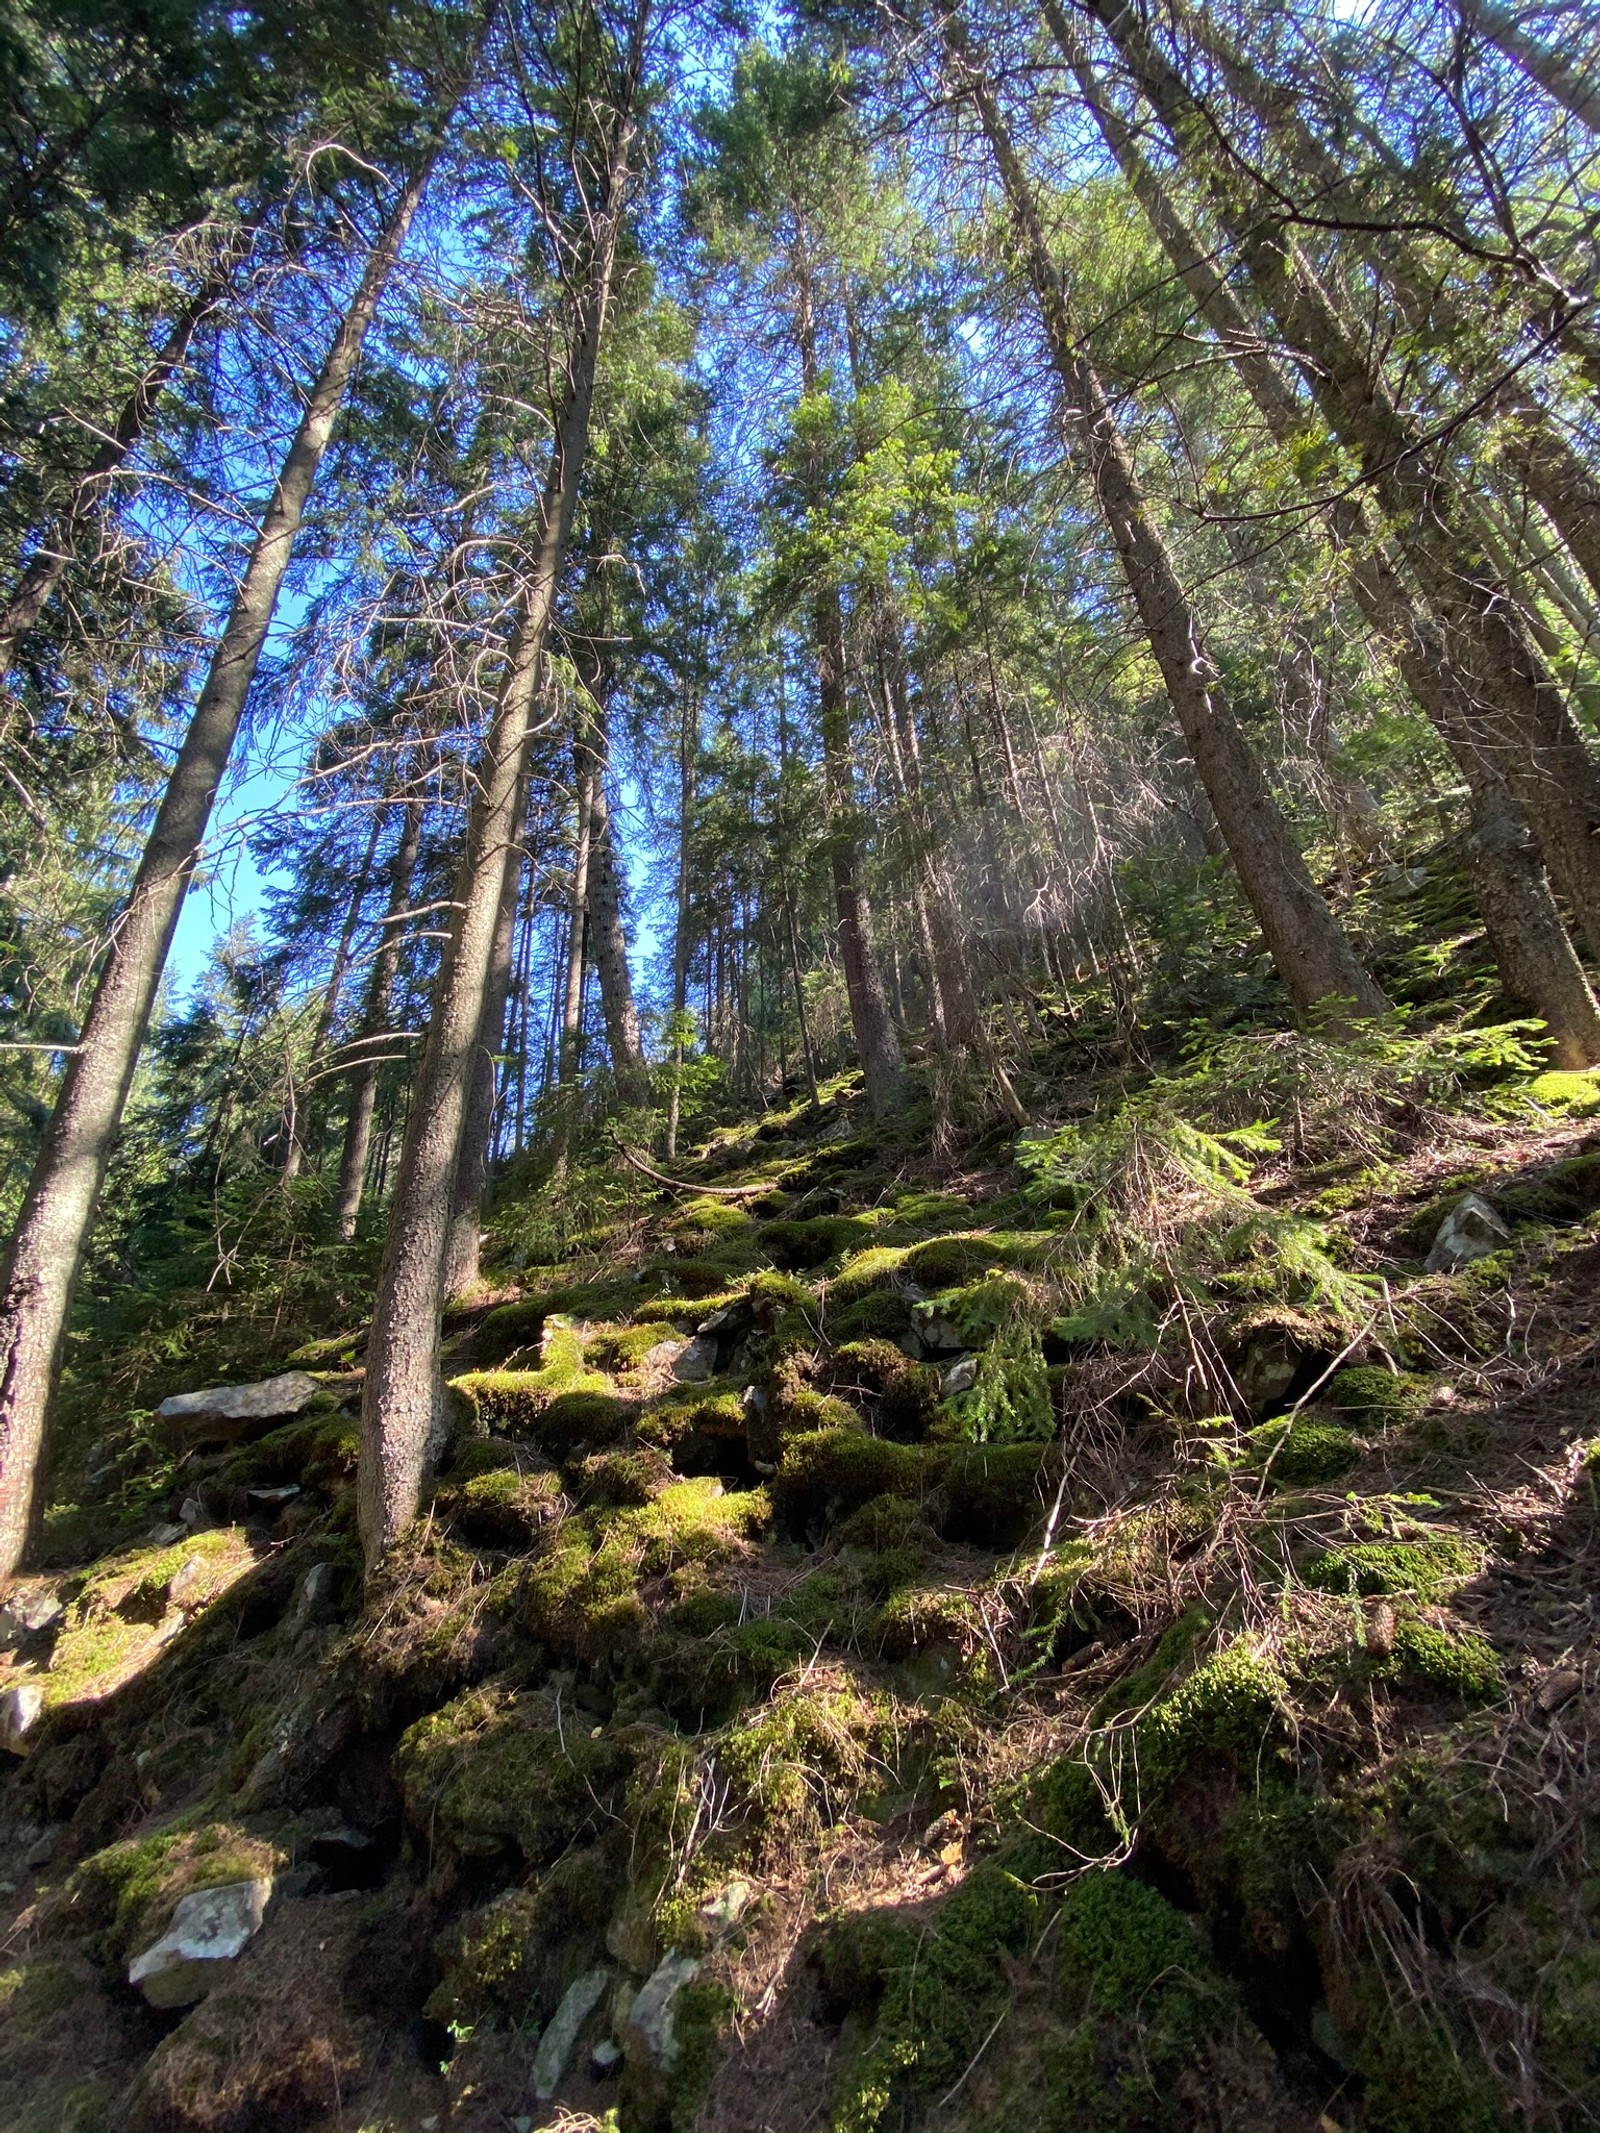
(688, 758)
(1320, 970)
(477, 1121)
(42, 572)
(375, 1016)
(52, 1231)
(608, 940)
(402, 1408)
(569, 1047)
(294, 1137)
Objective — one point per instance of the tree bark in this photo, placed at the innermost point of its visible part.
(688, 760)
(374, 1022)
(46, 1253)
(1572, 88)
(1319, 968)
(569, 1045)
(608, 940)
(294, 1135)
(477, 1123)
(402, 1407)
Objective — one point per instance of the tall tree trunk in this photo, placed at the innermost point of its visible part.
(41, 1267)
(688, 761)
(608, 940)
(294, 1135)
(1520, 720)
(402, 1406)
(375, 1015)
(1525, 930)
(42, 572)
(477, 1120)
(1320, 970)
(569, 1045)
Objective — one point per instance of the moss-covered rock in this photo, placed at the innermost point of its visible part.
(995, 1495)
(814, 1240)
(1227, 1708)
(1450, 1662)
(1431, 1569)
(1298, 1453)
(504, 1508)
(904, 1394)
(1373, 1398)
(826, 1474)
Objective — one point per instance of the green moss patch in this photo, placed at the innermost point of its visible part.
(813, 1242)
(1430, 1569)
(1299, 1453)
(1374, 1398)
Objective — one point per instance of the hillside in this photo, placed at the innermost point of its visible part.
(1079, 1631)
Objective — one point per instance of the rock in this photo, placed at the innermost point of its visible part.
(209, 1929)
(43, 1846)
(650, 2026)
(188, 1582)
(314, 1596)
(223, 1413)
(27, 1610)
(193, 1514)
(940, 1336)
(578, 2002)
(911, 1344)
(164, 1536)
(272, 1496)
(605, 2059)
(19, 1707)
(724, 1911)
(961, 1376)
(696, 1362)
(1471, 1230)
(1557, 1688)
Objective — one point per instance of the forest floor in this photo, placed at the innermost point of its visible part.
(1079, 1633)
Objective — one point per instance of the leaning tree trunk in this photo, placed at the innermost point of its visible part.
(1320, 970)
(1576, 89)
(477, 1122)
(374, 1026)
(1520, 720)
(1526, 933)
(41, 1268)
(403, 1405)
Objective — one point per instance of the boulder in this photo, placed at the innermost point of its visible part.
(190, 1583)
(961, 1376)
(1471, 1230)
(209, 1929)
(697, 1362)
(561, 2032)
(19, 1707)
(222, 1414)
(27, 1610)
(649, 2031)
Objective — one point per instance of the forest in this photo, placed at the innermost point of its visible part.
(799, 1066)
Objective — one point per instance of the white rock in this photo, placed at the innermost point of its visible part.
(650, 2025)
(209, 1929)
(1471, 1230)
(28, 1609)
(605, 2059)
(189, 1582)
(223, 1410)
(961, 1377)
(696, 1362)
(19, 1707)
(313, 1596)
(724, 1911)
(578, 2002)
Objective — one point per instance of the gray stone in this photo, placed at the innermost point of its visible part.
(313, 1599)
(193, 1513)
(164, 1536)
(222, 1413)
(696, 1362)
(209, 1929)
(961, 1376)
(40, 1850)
(723, 1911)
(940, 1336)
(605, 2059)
(650, 2033)
(189, 1582)
(19, 1708)
(578, 2002)
(27, 1610)
(1471, 1230)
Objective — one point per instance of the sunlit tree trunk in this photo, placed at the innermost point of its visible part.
(375, 1017)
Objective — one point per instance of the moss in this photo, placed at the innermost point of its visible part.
(510, 1326)
(702, 2019)
(622, 1347)
(775, 1297)
(887, 1522)
(1375, 1398)
(931, 1210)
(683, 1313)
(693, 1521)
(481, 1455)
(631, 1477)
(574, 1420)
(802, 1758)
(1121, 1940)
(1299, 1454)
(866, 1273)
(832, 1472)
(919, 1619)
(906, 1394)
(1227, 1708)
(880, 1313)
(806, 1410)
(1455, 1663)
(510, 1961)
(995, 1494)
(1567, 1095)
(1432, 1569)
(127, 1893)
(34, 1996)
(951, 1262)
(504, 1508)
(1416, 2079)
(700, 1225)
(814, 1241)
(1065, 1801)
(496, 1768)
(1141, 1687)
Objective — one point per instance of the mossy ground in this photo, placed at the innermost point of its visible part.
(1102, 1751)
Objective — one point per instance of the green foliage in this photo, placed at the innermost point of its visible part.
(1009, 1402)
(1299, 1453)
